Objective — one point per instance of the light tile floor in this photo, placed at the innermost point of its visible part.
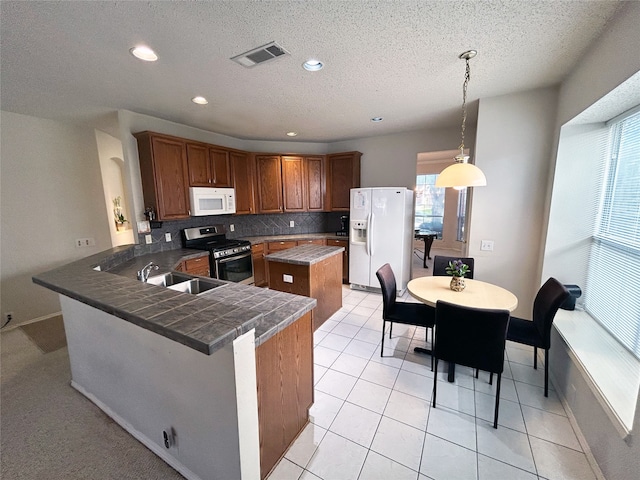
(372, 417)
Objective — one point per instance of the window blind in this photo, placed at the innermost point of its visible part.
(612, 293)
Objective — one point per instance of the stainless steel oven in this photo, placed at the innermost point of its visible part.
(229, 259)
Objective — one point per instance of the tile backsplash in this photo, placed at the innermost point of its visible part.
(244, 226)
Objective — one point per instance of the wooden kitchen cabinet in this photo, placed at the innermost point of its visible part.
(284, 373)
(208, 166)
(343, 175)
(294, 183)
(164, 174)
(259, 265)
(198, 266)
(315, 184)
(345, 256)
(243, 182)
(312, 241)
(269, 181)
(282, 245)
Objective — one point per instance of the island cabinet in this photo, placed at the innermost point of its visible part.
(284, 373)
(312, 271)
(195, 266)
(343, 175)
(164, 175)
(345, 256)
(243, 182)
(269, 181)
(208, 166)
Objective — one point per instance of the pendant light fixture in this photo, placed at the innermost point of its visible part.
(462, 173)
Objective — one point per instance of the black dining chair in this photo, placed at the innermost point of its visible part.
(473, 337)
(407, 313)
(537, 332)
(441, 262)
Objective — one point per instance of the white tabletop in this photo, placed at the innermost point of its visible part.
(476, 294)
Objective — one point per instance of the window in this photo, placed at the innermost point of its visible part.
(462, 215)
(612, 293)
(429, 204)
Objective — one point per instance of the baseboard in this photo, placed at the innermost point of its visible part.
(146, 441)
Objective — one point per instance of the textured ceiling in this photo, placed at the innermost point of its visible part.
(395, 59)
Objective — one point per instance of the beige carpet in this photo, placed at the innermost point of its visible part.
(50, 431)
(48, 335)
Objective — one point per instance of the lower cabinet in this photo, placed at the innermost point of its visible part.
(259, 265)
(284, 369)
(195, 266)
(345, 256)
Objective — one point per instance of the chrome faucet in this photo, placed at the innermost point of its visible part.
(143, 275)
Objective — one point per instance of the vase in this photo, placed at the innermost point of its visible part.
(457, 284)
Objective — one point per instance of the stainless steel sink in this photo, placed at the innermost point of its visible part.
(169, 279)
(196, 286)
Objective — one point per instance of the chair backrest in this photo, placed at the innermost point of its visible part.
(440, 263)
(388, 285)
(473, 337)
(548, 299)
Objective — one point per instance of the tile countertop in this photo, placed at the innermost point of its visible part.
(204, 322)
(304, 254)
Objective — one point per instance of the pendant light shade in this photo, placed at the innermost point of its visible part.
(462, 174)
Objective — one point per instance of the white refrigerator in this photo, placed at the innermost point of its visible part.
(380, 231)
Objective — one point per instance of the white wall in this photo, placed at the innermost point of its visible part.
(51, 195)
(513, 149)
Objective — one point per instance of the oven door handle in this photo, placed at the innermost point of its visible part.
(235, 257)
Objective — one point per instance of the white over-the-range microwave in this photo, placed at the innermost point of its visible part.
(212, 201)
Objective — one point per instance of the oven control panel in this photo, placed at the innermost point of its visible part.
(231, 251)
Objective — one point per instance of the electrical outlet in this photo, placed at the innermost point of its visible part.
(79, 242)
(89, 242)
(8, 316)
(167, 237)
(486, 245)
(232, 228)
(292, 224)
(148, 239)
(287, 278)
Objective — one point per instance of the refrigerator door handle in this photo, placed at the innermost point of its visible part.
(370, 234)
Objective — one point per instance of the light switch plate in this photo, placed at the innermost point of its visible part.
(232, 227)
(148, 239)
(292, 224)
(167, 236)
(486, 245)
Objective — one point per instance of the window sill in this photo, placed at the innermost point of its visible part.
(612, 373)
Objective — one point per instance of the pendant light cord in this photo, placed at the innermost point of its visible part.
(467, 77)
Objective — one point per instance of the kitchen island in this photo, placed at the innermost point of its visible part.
(310, 270)
(201, 380)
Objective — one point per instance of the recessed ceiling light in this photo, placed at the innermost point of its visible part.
(313, 65)
(292, 134)
(200, 100)
(376, 119)
(144, 53)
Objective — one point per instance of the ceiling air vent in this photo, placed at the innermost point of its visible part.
(259, 55)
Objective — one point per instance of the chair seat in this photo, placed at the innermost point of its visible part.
(413, 314)
(524, 331)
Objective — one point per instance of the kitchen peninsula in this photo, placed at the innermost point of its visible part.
(201, 380)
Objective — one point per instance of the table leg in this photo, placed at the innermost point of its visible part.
(426, 247)
(452, 372)
(428, 242)
(422, 350)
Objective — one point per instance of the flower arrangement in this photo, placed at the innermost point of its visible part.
(457, 268)
(117, 210)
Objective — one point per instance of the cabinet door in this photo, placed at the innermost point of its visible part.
(243, 182)
(277, 246)
(259, 265)
(293, 181)
(345, 256)
(198, 165)
(269, 174)
(344, 174)
(198, 266)
(314, 241)
(315, 183)
(220, 168)
(163, 170)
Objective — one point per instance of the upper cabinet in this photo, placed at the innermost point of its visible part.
(343, 175)
(269, 181)
(208, 166)
(316, 190)
(294, 184)
(163, 169)
(243, 182)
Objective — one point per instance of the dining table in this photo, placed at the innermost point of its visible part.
(476, 294)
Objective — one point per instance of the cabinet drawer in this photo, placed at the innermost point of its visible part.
(199, 263)
(315, 241)
(337, 243)
(257, 248)
(275, 246)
